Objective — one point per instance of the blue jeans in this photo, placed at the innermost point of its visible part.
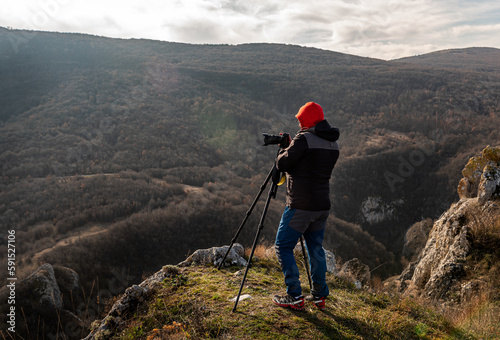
(295, 223)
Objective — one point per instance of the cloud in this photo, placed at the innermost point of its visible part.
(384, 29)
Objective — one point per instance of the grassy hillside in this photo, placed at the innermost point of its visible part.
(195, 304)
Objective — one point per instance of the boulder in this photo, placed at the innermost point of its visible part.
(214, 256)
(44, 289)
(356, 271)
(68, 282)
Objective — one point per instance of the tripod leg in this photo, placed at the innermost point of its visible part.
(272, 192)
(263, 186)
(306, 261)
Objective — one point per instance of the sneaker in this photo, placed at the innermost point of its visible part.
(319, 302)
(288, 301)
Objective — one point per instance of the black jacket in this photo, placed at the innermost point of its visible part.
(308, 163)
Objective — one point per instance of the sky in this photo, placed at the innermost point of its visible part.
(386, 30)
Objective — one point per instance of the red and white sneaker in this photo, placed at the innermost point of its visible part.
(319, 302)
(288, 301)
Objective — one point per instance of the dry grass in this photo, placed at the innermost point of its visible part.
(262, 251)
(480, 317)
(485, 227)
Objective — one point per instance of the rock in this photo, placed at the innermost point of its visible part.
(407, 275)
(214, 256)
(470, 290)
(242, 297)
(465, 188)
(472, 171)
(481, 175)
(331, 264)
(356, 271)
(67, 279)
(68, 282)
(491, 154)
(416, 238)
(441, 262)
(43, 284)
(489, 185)
(44, 297)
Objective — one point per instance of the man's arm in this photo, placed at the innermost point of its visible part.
(287, 158)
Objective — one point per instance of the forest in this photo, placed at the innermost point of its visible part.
(126, 155)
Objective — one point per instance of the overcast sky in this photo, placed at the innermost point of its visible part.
(371, 28)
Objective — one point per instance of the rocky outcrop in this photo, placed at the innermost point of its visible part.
(481, 176)
(440, 271)
(215, 255)
(127, 303)
(442, 261)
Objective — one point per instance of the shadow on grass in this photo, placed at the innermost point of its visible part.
(341, 327)
(331, 326)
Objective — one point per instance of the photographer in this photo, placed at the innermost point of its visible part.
(308, 162)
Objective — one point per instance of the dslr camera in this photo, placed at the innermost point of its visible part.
(283, 139)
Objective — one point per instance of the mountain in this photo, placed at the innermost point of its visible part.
(479, 59)
(120, 156)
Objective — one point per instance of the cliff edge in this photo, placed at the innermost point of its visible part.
(460, 261)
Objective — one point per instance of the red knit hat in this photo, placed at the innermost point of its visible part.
(310, 115)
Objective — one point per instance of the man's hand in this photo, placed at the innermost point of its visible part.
(286, 140)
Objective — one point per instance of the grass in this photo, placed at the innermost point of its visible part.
(196, 305)
(480, 317)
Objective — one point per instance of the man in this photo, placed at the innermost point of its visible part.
(308, 163)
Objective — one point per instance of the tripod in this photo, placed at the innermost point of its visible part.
(275, 175)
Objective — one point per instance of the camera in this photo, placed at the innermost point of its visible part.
(282, 139)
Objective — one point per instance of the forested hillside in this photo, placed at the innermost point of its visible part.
(479, 59)
(129, 154)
